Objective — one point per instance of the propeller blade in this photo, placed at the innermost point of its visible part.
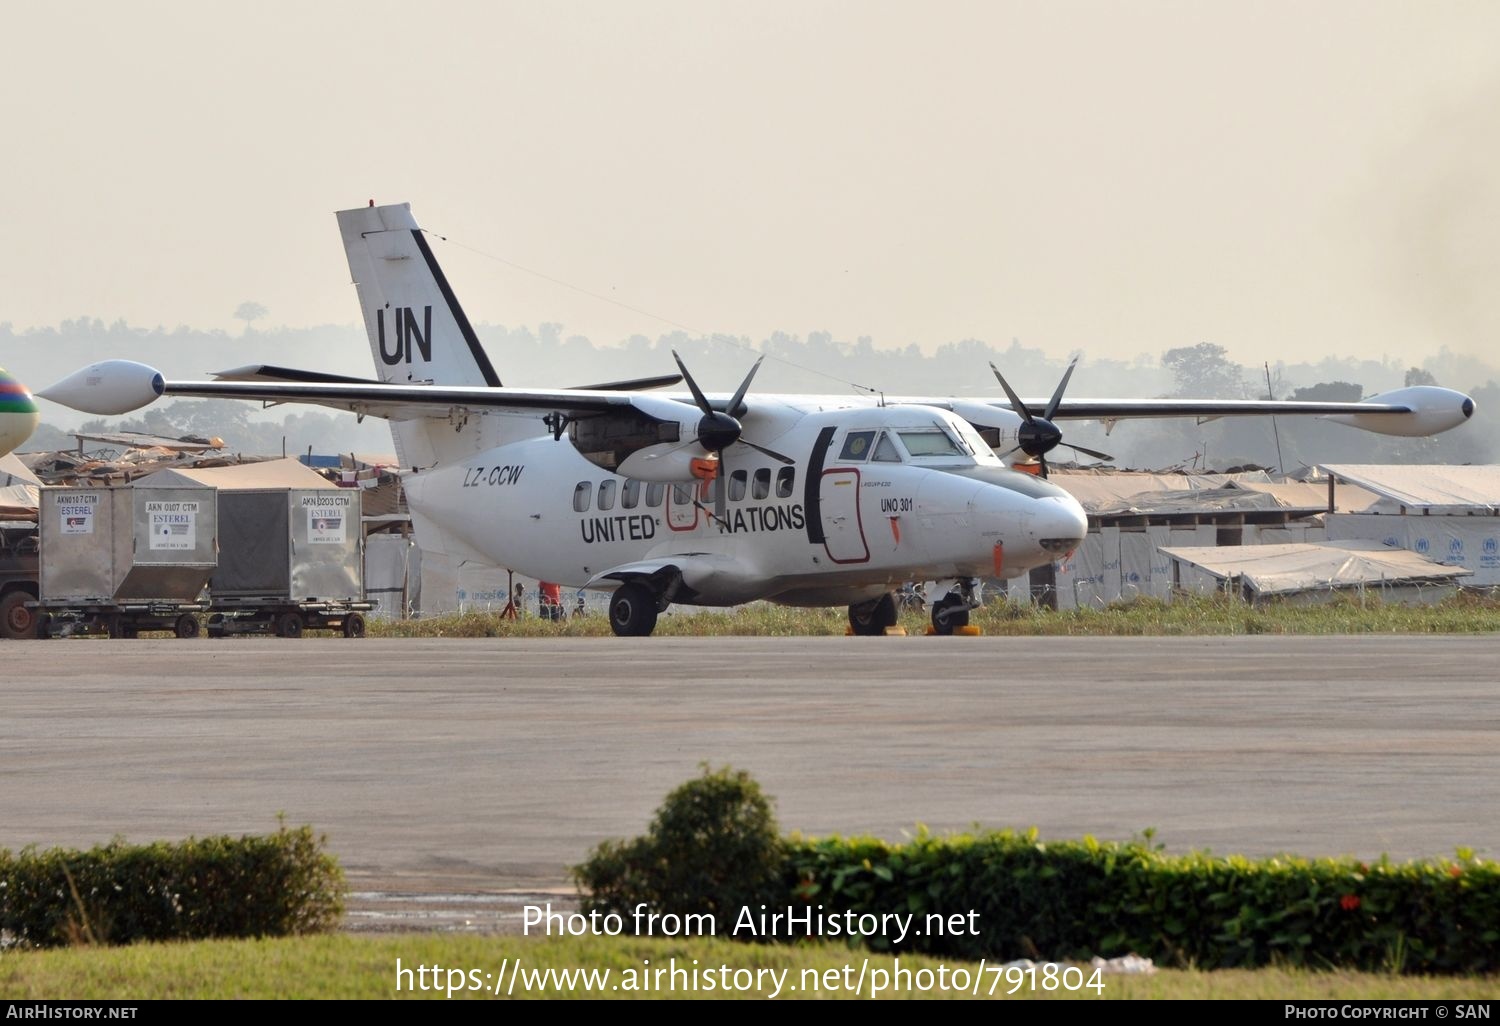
(692, 386)
(721, 491)
(1042, 459)
(1015, 400)
(769, 452)
(1061, 387)
(739, 395)
(1091, 452)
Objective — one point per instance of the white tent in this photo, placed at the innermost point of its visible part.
(1430, 489)
(267, 474)
(1310, 570)
(1450, 513)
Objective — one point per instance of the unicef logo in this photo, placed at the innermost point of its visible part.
(1491, 546)
(1422, 545)
(1456, 547)
(462, 594)
(1134, 577)
(1392, 543)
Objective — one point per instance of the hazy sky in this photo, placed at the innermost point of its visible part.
(1288, 179)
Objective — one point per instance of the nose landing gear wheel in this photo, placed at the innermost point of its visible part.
(632, 610)
(870, 619)
(948, 613)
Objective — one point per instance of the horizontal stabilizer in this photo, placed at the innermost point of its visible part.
(266, 372)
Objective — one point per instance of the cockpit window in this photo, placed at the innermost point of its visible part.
(929, 443)
(857, 445)
(886, 451)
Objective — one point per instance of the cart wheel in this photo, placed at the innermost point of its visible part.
(16, 621)
(114, 626)
(354, 626)
(186, 626)
(44, 625)
(130, 630)
(289, 625)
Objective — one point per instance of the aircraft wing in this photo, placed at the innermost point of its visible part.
(114, 387)
(1412, 411)
(268, 373)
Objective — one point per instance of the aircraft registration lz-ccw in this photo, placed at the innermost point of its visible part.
(705, 499)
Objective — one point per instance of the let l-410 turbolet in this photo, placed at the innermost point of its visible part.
(707, 499)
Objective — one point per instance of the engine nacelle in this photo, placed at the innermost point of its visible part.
(996, 426)
(669, 464)
(652, 439)
(107, 389)
(1433, 409)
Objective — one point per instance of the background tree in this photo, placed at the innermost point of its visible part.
(1204, 371)
(1330, 392)
(249, 311)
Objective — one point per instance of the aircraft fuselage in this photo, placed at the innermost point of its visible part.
(836, 525)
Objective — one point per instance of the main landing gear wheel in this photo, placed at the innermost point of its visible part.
(948, 613)
(871, 618)
(16, 621)
(632, 610)
(289, 625)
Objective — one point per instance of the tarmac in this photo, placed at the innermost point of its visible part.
(492, 765)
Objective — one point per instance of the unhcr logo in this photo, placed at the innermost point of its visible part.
(1423, 545)
(1456, 547)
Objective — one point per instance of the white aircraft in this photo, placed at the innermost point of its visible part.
(704, 499)
(18, 413)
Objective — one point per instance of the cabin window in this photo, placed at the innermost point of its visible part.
(785, 478)
(682, 494)
(581, 495)
(630, 495)
(929, 443)
(760, 484)
(885, 450)
(857, 445)
(607, 494)
(655, 492)
(737, 486)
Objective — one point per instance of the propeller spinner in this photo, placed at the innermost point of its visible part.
(1037, 436)
(718, 430)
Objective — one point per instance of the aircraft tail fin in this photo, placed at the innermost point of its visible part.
(418, 332)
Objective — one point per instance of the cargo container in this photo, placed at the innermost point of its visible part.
(120, 560)
(291, 550)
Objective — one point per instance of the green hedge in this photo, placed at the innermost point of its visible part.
(1077, 899)
(712, 848)
(278, 884)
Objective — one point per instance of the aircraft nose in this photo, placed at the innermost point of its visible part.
(1059, 524)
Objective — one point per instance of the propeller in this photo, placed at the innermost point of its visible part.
(1037, 435)
(718, 430)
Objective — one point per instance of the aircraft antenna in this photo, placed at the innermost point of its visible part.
(1270, 394)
